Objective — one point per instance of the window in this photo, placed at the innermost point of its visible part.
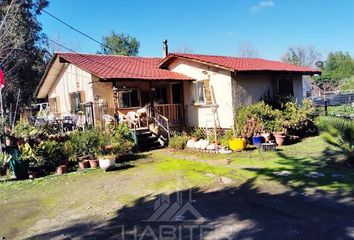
(75, 100)
(285, 86)
(198, 92)
(161, 95)
(128, 98)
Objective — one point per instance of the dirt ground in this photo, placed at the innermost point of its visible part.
(144, 200)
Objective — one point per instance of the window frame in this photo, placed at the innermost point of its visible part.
(125, 90)
(285, 78)
(195, 93)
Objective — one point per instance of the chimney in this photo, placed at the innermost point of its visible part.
(165, 48)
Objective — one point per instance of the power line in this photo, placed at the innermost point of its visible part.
(76, 30)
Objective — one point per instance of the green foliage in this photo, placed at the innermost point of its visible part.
(293, 118)
(118, 138)
(347, 84)
(339, 133)
(198, 133)
(49, 154)
(84, 143)
(120, 44)
(298, 118)
(255, 117)
(347, 109)
(226, 137)
(23, 51)
(338, 66)
(26, 131)
(178, 142)
(4, 157)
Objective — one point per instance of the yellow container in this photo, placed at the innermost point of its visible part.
(237, 144)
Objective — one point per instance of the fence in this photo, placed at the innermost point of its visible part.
(336, 103)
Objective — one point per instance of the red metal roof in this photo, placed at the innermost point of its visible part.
(240, 64)
(121, 67)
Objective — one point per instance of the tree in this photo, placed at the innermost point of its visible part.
(337, 69)
(301, 56)
(22, 48)
(120, 44)
(246, 49)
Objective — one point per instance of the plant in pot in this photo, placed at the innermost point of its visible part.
(106, 157)
(53, 156)
(84, 146)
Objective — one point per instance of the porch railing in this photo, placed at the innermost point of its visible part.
(161, 122)
(174, 112)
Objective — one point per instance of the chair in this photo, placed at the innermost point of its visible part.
(134, 117)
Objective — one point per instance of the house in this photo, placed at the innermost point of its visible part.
(180, 89)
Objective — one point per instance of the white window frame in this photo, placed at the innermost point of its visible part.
(197, 93)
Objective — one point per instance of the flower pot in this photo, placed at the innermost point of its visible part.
(83, 164)
(94, 163)
(107, 163)
(20, 168)
(257, 140)
(237, 144)
(32, 174)
(61, 169)
(280, 138)
(82, 158)
(64, 162)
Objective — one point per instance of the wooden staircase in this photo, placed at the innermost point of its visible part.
(147, 140)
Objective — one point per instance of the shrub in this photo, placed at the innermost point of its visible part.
(4, 157)
(253, 118)
(294, 118)
(178, 142)
(85, 142)
(298, 118)
(339, 133)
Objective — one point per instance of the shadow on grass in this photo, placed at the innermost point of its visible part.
(300, 177)
(229, 213)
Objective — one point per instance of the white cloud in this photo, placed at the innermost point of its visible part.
(261, 5)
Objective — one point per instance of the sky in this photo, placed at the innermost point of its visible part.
(205, 26)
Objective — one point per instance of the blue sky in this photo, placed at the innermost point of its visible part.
(208, 27)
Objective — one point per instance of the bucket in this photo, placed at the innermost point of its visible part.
(237, 144)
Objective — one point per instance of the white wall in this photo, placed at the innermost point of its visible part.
(71, 79)
(220, 80)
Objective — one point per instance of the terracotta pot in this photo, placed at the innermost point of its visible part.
(64, 162)
(83, 164)
(82, 158)
(3, 171)
(94, 163)
(61, 169)
(280, 139)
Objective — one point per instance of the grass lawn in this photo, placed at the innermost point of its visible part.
(31, 207)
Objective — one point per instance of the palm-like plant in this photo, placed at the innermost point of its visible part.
(339, 133)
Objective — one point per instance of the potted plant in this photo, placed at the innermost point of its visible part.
(18, 165)
(280, 138)
(257, 139)
(107, 160)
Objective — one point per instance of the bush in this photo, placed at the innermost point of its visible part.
(293, 119)
(298, 119)
(85, 142)
(253, 118)
(178, 142)
(339, 133)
